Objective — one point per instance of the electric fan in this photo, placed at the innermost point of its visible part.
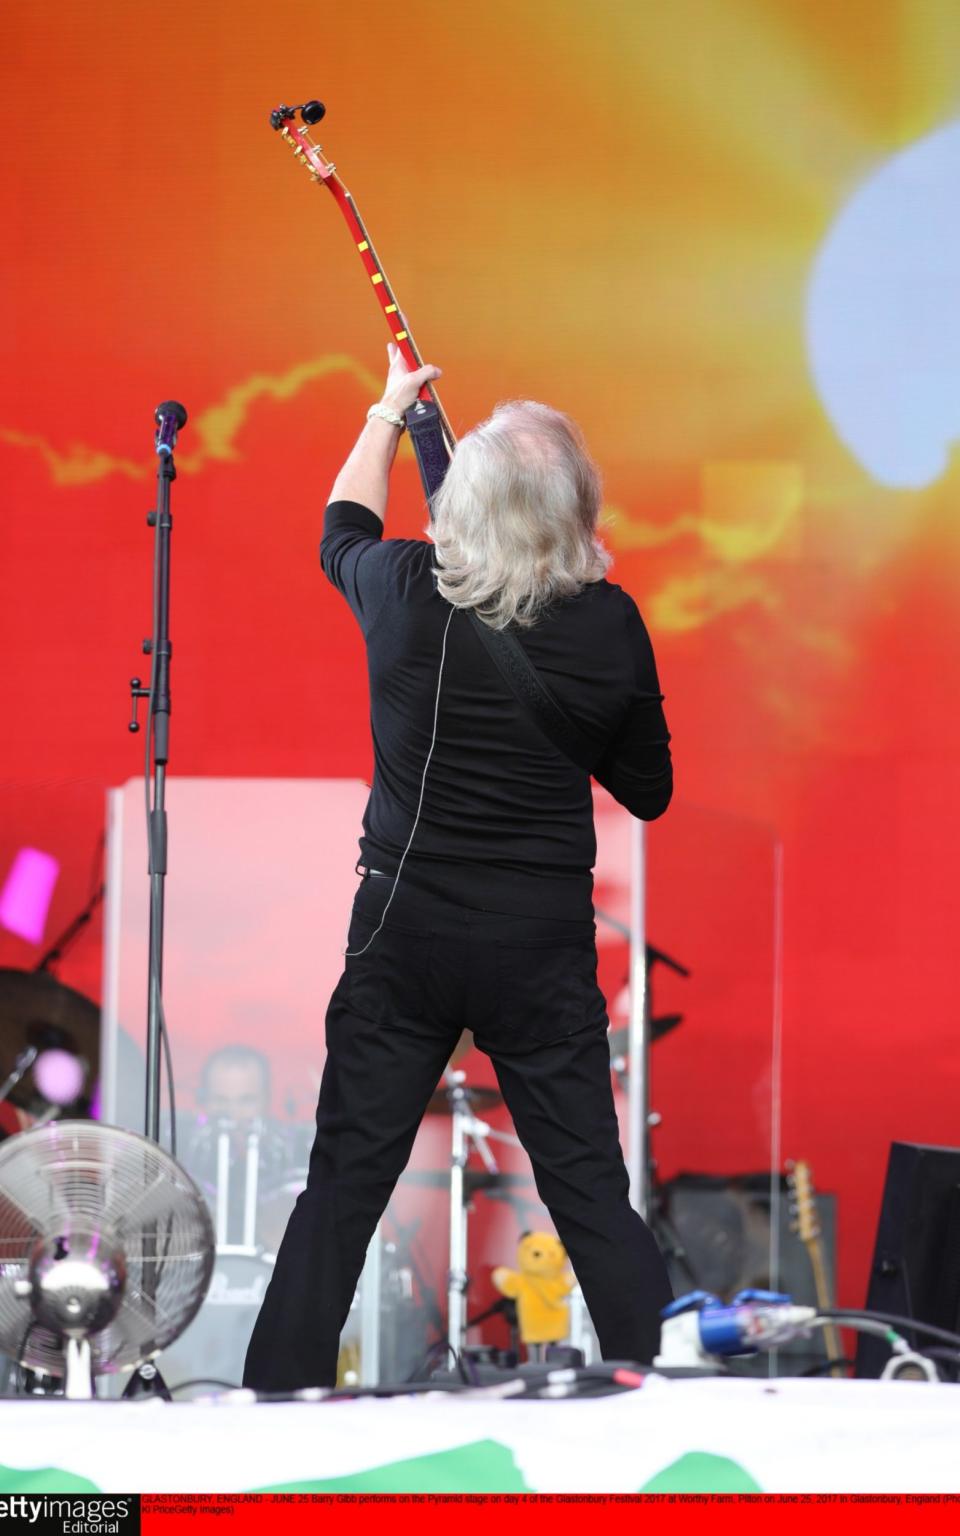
(106, 1251)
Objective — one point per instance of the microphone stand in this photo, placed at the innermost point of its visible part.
(160, 710)
(170, 417)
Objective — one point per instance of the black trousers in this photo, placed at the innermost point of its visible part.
(527, 988)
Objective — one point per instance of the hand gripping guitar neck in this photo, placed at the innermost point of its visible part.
(430, 431)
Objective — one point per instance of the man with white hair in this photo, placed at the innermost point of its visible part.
(475, 907)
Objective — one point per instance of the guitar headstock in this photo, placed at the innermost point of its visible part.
(306, 150)
(803, 1206)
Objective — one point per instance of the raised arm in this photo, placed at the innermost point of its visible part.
(365, 476)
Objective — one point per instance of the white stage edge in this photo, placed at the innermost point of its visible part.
(779, 1436)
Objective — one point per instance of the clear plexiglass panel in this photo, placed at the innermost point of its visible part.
(262, 875)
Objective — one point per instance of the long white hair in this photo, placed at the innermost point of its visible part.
(515, 521)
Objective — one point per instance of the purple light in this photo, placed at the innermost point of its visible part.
(59, 1076)
(27, 893)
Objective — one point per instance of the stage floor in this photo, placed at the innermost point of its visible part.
(784, 1436)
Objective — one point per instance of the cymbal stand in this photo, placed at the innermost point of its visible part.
(467, 1133)
(21, 1067)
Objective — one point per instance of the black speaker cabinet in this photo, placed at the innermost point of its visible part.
(916, 1261)
(715, 1234)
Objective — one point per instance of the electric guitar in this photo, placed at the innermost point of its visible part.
(806, 1223)
(431, 433)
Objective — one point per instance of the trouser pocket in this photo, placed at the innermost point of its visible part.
(543, 992)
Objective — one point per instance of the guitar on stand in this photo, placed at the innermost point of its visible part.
(805, 1221)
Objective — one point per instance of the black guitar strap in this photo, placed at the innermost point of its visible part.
(526, 684)
(429, 445)
(505, 650)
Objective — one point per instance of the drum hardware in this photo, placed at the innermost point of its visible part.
(656, 1026)
(251, 1181)
(37, 1014)
(504, 1307)
(466, 1133)
(21, 1066)
(51, 1113)
(400, 1252)
(441, 1103)
(236, 1163)
(251, 1173)
(215, 1344)
(275, 1211)
(582, 1334)
(660, 1026)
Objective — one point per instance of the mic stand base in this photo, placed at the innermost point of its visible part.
(147, 1381)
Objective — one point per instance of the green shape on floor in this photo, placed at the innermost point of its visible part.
(701, 1472)
(43, 1480)
(483, 1466)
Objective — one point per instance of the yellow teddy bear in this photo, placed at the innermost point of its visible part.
(539, 1286)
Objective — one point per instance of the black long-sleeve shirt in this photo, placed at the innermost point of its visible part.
(507, 820)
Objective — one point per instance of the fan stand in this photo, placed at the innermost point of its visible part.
(78, 1379)
(146, 1381)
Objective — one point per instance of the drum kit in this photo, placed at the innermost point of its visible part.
(252, 1174)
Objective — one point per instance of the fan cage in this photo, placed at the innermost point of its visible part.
(82, 1176)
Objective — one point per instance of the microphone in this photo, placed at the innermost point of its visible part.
(170, 418)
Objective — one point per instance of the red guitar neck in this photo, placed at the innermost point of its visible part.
(322, 170)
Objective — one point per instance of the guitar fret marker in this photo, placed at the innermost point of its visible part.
(310, 155)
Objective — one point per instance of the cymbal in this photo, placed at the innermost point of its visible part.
(619, 1039)
(34, 999)
(477, 1098)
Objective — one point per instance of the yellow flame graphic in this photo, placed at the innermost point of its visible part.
(217, 428)
(78, 465)
(749, 511)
